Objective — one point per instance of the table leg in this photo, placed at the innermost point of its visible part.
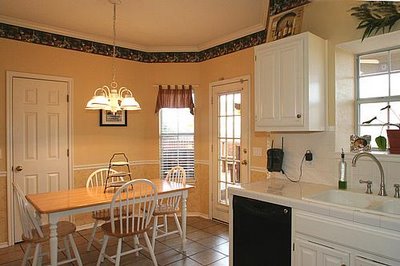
(184, 214)
(53, 240)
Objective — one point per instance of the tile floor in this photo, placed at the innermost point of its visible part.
(207, 244)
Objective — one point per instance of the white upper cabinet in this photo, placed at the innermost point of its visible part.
(290, 84)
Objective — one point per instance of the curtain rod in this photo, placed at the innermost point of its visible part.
(164, 86)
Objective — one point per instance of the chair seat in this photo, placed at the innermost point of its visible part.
(164, 209)
(64, 228)
(126, 229)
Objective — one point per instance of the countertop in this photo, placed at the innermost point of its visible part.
(286, 193)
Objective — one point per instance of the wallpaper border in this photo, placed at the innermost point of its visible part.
(24, 34)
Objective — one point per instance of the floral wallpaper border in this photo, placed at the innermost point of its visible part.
(59, 41)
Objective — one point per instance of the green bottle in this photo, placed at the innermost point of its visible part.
(342, 172)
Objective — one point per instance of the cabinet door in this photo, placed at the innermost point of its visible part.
(291, 84)
(306, 255)
(311, 253)
(267, 96)
(279, 85)
(333, 257)
(360, 261)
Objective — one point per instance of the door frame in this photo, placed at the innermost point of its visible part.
(9, 106)
(210, 133)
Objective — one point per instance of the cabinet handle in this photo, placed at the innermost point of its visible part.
(285, 211)
(298, 115)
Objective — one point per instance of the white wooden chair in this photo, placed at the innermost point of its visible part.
(168, 206)
(36, 234)
(137, 199)
(98, 178)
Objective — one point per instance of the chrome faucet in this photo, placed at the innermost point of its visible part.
(382, 190)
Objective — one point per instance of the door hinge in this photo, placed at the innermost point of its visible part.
(294, 248)
(255, 58)
(212, 101)
(67, 98)
(67, 152)
(212, 148)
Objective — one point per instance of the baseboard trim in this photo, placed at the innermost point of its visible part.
(4, 245)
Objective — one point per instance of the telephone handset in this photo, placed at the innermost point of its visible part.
(275, 158)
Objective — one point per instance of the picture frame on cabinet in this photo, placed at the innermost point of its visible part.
(119, 119)
(285, 24)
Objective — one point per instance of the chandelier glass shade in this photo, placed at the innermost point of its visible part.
(111, 98)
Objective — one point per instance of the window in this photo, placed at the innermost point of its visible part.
(177, 140)
(378, 87)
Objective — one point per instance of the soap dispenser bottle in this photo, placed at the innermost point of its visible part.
(342, 172)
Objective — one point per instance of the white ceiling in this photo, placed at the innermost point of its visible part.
(147, 25)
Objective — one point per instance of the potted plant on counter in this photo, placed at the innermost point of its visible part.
(392, 134)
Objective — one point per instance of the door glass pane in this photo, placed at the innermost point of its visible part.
(238, 127)
(229, 104)
(222, 105)
(222, 127)
(237, 100)
(229, 118)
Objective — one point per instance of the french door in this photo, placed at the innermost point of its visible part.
(230, 141)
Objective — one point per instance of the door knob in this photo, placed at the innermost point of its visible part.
(298, 115)
(244, 162)
(18, 168)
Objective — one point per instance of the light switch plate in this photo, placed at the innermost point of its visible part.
(257, 151)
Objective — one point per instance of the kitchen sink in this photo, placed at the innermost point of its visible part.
(345, 198)
(389, 206)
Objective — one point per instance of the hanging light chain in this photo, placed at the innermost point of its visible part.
(114, 70)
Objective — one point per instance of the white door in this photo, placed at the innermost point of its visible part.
(230, 141)
(40, 137)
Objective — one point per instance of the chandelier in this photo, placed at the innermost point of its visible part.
(110, 97)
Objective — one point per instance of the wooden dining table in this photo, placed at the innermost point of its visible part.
(82, 200)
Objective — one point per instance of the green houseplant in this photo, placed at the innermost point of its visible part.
(376, 16)
(392, 134)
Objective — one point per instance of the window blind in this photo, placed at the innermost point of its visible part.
(177, 149)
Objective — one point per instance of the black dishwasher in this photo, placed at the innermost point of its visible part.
(261, 233)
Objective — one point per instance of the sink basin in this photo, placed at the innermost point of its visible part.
(356, 200)
(390, 206)
(345, 198)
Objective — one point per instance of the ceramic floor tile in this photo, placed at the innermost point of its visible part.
(223, 248)
(169, 257)
(194, 248)
(207, 257)
(221, 262)
(197, 235)
(212, 241)
(185, 262)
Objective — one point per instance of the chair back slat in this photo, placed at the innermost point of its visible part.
(99, 176)
(177, 174)
(30, 219)
(132, 206)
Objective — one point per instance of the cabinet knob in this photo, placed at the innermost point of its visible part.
(298, 115)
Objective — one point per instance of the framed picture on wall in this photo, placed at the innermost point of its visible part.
(119, 119)
(285, 24)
